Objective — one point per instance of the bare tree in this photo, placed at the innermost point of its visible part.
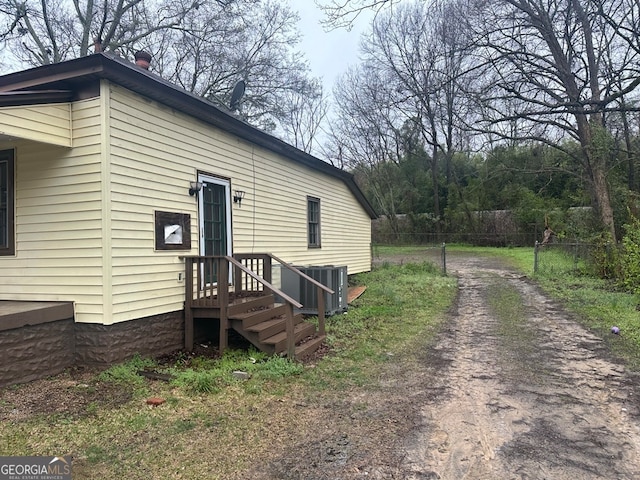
(306, 111)
(343, 13)
(426, 55)
(366, 135)
(546, 61)
(250, 40)
(40, 32)
(544, 72)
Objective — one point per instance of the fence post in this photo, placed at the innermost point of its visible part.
(444, 258)
(535, 257)
(223, 301)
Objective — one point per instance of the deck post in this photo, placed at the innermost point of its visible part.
(267, 268)
(188, 303)
(223, 300)
(237, 279)
(321, 330)
(291, 335)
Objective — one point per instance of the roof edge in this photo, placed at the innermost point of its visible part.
(146, 83)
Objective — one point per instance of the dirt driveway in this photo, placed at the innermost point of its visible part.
(516, 392)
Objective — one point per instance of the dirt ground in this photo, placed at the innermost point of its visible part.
(536, 397)
(539, 398)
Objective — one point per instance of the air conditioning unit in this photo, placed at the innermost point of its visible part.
(306, 292)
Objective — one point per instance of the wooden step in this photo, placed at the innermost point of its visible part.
(272, 327)
(307, 348)
(255, 317)
(246, 304)
(279, 341)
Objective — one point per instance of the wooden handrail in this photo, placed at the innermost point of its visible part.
(319, 295)
(289, 325)
(276, 290)
(190, 258)
(303, 275)
(223, 292)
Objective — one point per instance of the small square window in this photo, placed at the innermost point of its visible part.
(313, 222)
(173, 231)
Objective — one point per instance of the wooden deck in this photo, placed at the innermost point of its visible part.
(16, 314)
(248, 304)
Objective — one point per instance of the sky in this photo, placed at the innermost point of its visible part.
(329, 53)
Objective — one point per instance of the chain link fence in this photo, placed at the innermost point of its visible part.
(435, 254)
(577, 258)
(477, 239)
(555, 258)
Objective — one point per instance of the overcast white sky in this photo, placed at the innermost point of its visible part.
(329, 53)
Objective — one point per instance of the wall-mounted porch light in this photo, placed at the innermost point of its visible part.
(194, 187)
(238, 195)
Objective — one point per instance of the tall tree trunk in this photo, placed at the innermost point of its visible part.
(631, 163)
(594, 140)
(436, 187)
(602, 200)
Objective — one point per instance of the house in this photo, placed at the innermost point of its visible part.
(111, 180)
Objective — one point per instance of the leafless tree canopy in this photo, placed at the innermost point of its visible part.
(468, 72)
(205, 46)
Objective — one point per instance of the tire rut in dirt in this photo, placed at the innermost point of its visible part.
(528, 397)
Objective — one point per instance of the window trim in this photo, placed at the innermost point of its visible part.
(317, 224)
(9, 157)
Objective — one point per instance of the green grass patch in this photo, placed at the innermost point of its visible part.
(598, 304)
(209, 413)
(127, 373)
(212, 376)
(402, 304)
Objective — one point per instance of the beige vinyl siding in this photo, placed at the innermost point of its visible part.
(85, 215)
(156, 152)
(49, 124)
(148, 173)
(281, 217)
(58, 220)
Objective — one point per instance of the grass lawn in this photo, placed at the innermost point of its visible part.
(211, 424)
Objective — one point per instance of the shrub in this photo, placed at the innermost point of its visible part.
(630, 258)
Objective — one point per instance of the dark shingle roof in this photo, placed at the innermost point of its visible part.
(60, 82)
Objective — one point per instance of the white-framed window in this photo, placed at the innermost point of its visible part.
(313, 222)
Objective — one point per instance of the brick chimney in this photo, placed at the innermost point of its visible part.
(143, 59)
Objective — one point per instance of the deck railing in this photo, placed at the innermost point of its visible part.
(252, 274)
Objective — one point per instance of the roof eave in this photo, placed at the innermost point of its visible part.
(146, 83)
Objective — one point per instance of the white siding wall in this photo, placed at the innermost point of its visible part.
(155, 153)
(58, 220)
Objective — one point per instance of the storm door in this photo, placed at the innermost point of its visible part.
(214, 221)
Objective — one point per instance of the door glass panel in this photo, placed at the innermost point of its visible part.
(214, 224)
